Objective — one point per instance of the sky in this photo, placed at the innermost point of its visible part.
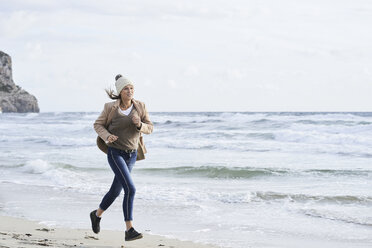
(193, 55)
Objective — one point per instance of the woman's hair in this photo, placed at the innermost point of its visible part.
(110, 92)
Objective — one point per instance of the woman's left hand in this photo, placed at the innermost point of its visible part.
(136, 121)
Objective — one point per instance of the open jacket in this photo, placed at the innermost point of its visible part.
(104, 120)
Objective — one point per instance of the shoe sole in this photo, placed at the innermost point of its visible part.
(135, 238)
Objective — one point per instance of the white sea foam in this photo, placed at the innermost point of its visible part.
(56, 175)
(37, 166)
(31, 115)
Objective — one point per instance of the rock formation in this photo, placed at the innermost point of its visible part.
(12, 97)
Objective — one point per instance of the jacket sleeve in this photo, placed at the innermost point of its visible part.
(147, 126)
(99, 124)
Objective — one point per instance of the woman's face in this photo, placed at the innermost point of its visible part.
(127, 92)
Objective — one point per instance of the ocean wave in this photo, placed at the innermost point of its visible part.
(306, 131)
(259, 121)
(223, 172)
(31, 115)
(355, 154)
(206, 118)
(320, 118)
(333, 122)
(256, 197)
(323, 115)
(216, 172)
(305, 198)
(214, 135)
(337, 216)
(61, 175)
(53, 140)
(316, 136)
(39, 166)
(258, 143)
(181, 123)
(339, 172)
(279, 197)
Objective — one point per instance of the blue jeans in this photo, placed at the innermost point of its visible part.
(121, 164)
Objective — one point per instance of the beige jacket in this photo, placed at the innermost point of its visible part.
(104, 119)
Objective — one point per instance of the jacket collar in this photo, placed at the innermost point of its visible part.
(117, 103)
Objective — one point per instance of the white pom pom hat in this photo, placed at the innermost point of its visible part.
(121, 83)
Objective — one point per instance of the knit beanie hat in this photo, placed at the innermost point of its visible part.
(121, 82)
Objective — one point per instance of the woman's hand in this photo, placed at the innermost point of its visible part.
(136, 121)
(112, 138)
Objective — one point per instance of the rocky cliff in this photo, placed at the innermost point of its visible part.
(12, 97)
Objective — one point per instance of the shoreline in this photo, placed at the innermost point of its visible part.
(20, 232)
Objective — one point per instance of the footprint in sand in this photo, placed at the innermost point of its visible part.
(44, 229)
(91, 237)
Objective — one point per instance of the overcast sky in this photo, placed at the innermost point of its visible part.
(193, 55)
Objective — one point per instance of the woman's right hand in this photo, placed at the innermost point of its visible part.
(112, 138)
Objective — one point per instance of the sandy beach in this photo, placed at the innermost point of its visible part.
(18, 232)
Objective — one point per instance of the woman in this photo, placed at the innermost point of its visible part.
(120, 125)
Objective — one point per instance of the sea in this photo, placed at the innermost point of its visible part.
(232, 179)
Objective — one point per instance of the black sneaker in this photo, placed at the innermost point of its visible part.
(132, 234)
(95, 221)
